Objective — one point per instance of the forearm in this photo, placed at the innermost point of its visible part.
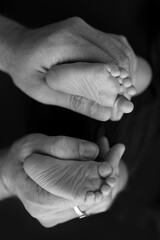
(10, 33)
(4, 193)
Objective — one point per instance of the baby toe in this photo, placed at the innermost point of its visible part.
(127, 82)
(105, 189)
(113, 69)
(90, 198)
(111, 181)
(123, 73)
(104, 169)
(98, 197)
(131, 91)
(124, 105)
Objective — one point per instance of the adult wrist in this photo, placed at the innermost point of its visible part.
(4, 190)
(10, 36)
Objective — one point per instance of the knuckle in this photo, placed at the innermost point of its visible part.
(50, 74)
(126, 46)
(104, 68)
(124, 42)
(59, 143)
(59, 140)
(94, 110)
(76, 20)
(22, 147)
(45, 224)
(123, 39)
(77, 103)
(99, 112)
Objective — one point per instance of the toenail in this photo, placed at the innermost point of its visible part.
(88, 150)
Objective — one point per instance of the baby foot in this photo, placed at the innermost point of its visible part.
(78, 181)
(123, 78)
(127, 90)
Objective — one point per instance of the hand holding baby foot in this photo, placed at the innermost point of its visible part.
(112, 157)
(120, 171)
(69, 64)
(82, 182)
(126, 61)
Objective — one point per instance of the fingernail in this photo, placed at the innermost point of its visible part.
(88, 150)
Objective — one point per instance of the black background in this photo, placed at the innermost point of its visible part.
(135, 214)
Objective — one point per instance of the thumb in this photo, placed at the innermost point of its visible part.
(89, 80)
(103, 145)
(61, 147)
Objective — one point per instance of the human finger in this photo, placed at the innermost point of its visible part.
(75, 103)
(103, 145)
(114, 156)
(62, 147)
(89, 80)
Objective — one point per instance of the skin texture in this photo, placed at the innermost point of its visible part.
(46, 207)
(37, 60)
(80, 182)
(70, 64)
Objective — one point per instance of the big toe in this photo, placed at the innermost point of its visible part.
(124, 105)
(113, 69)
(104, 169)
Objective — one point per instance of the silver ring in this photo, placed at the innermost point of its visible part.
(79, 212)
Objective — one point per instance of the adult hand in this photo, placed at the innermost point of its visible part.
(47, 208)
(66, 64)
(113, 157)
(42, 205)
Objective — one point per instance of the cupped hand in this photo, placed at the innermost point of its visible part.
(113, 157)
(72, 65)
(38, 202)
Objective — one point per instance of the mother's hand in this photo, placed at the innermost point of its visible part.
(113, 156)
(65, 64)
(42, 205)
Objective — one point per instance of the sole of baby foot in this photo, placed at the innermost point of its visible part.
(77, 181)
